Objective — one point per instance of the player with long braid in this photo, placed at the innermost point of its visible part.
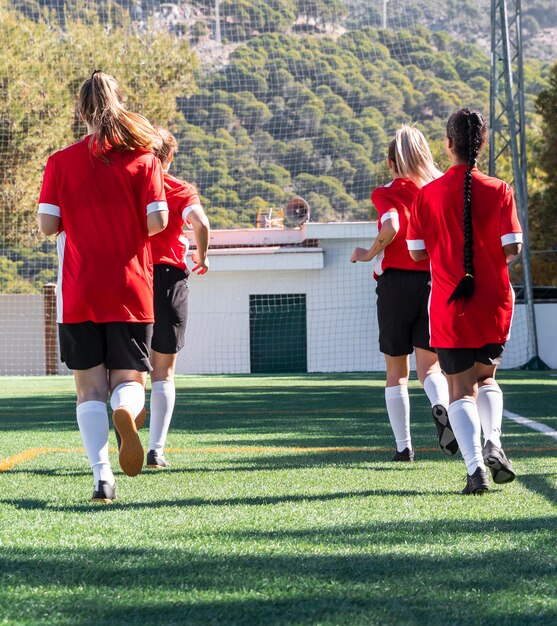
(403, 292)
(467, 223)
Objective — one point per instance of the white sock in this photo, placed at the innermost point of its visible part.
(92, 418)
(490, 408)
(465, 422)
(163, 396)
(398, 409)
(131, 395)
(437, 389)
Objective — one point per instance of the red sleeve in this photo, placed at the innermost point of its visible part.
(510, 230)
(384, 205)
(154, 198)
(414, 239)
(48, 200)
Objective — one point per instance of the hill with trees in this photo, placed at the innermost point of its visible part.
(299, 97)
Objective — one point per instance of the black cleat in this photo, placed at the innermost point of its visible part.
(477, 483)
(447, 440)
(406, 456)
(104, 492)
(500, 467)
(156, 460)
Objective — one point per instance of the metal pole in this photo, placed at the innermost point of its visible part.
(517, 134)
(218, 36)
(385, 2)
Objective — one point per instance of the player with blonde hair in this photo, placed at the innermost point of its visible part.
(403, 288)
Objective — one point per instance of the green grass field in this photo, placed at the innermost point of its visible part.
(254, 524)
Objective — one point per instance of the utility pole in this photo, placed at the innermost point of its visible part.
(507, 134)
(218, 36)
(385, 2)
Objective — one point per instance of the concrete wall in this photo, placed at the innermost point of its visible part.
(314, 260)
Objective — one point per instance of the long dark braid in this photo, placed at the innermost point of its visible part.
(468, 131)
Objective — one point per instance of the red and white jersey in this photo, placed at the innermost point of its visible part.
(170, 246)
(394, 201)
(436, 225)
(105, 267)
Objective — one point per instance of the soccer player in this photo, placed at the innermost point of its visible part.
(403, 288)
(169, 249)
(466, 222)
(107, 191)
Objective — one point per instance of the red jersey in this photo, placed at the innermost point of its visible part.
(105, 268)
(394, 201)
(436, 225)
(170, 246)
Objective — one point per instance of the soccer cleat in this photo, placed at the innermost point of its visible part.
(406, 456)
(477, 483)
(131, 450)
(156, 460)
(447, 440)
(104, 492)
(139, 421)
(500, 467)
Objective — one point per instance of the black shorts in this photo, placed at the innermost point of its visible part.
(117, 345)
(456, 360)
(402, 311)
(170, 287)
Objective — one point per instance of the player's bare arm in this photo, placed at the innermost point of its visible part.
(48, 224)
(386, 235)
(418, 255)
(511, 251)
(201, 232)
(157, 221)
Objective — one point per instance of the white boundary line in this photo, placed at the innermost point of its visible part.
(524, 421)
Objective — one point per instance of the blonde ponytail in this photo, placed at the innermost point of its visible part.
(101, 104)
(412, 157)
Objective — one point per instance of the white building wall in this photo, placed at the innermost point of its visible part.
(340, 298)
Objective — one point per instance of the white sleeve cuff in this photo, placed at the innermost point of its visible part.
(189, 209)
(511, 238)
(49, 209)
(156, 206)
(415, 244)
(390, 215)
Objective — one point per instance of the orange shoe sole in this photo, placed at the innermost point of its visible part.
(131, 453)
(140, 419)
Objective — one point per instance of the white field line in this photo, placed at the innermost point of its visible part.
(525, 421)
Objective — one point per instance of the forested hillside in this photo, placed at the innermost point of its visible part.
(287, 97)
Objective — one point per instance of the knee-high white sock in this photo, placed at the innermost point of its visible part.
(437, 389)
(398, 410)
(92, 418)
(131, 395)
(163, 397)
(465, 421)
(490, 408)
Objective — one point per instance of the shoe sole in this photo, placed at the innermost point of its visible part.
(157, 467)
(131, 451)
(447, 440)
(102, 500)
(139, 422)
(501, 474)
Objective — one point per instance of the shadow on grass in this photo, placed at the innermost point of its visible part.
(151, 586)
(36, 504)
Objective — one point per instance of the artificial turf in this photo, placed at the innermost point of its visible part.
(249, 527)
